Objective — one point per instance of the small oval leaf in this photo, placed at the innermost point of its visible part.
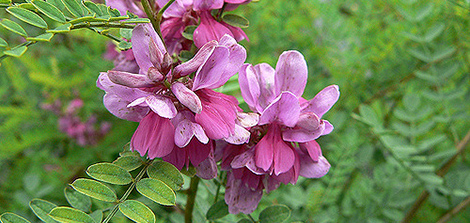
(274, 214)
(128, 163)
(109, 173)
(94, 189)
(167, 173)
(61, 29)
(236, 20)
(218, 210)
(70, 215)
(46, 37)
(27, 16)
(156, 191)
(16, 51)
(12, 218)
(42, 208)
(97, 215)
(49, 10)
(136, 211)
(73, 7)
(77, 199)
(14, 27)
(188, 32)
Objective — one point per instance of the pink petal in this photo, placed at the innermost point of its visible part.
(312, 148)
(311, 169)
(183, 133)
(328, 128)
(129, 79)
(291, 73)
(302, 135)
(198, 152)
(187, 97)
(123, 92)
(204, 5)
(209, 29)
(265, 74)
(264, 150)
(138, 101)
(323, 101)
(178, 157)
(207, 169)
(308, 121)
(199, 133)
(163, 106)
(152, 136)
(283, 157)
(194, 63)
(240, 198)
(249, 86)
(247, 119)
(236, 58)
(142, 37)
(118, 107)
(285, 109)
(240, 136)
(210, 74)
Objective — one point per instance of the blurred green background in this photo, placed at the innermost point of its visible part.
(403, 71)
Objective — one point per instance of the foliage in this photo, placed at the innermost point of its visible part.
(402, 67)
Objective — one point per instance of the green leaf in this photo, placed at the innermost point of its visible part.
(156, 191)
(61, 29)
(434, 32)
(94, 189)
(77, 199)
(136, 211)
(136, 20)
(6, 3)
(73, 7)
(70, 215)
(93, 8)
(423, 12)
(188, 32)
(97, 215)
(218, 210)
(420, 55)
(126, 33)
(236, 20)
(46, 37)
(16, 51)
(394, 214)
(167, 173)
(83, 19)
(109, 173)
(431, 178)
(245, 220)
(129, 163)
(26, 5)
(124, 45)
(369, 116)
(49, 10)
(27, 16)
(12, 218)
(274, 214)
(117, 18)
(3, 43)
(443, 53)
(42, 208)
(113, 12)
(431, 142)
(14, 27)
(411, 101)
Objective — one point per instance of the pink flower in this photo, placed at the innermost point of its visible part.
(127, 5)
(210, 29)
(160, 95)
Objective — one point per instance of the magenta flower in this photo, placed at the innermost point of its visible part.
(182, 108)
(127, 5)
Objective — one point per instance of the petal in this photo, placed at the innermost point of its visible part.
(236, 58)
(291, 73)
(209, 74)
(183, 133)
(209, 29)
(264, 150)
(247, 119)
(118, 107)
(163, 106)
(207, 169)
(198, 152)
(199, 133)
(194, 63)
(129, 79)
(308, 121)
(138, 101)
(311, 169)
(152, 136)
(177, 157)
(249, 86)
(285, 109)
(203, 5)
(187, 97)
(123, 92)
(265, 74)
(328, 128)
(313, 149)
(283, 157)
(302, 135)
(240, 136)
(239, 197)
(142, 37)
(323, 101)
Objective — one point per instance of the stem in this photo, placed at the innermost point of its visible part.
(441, 172)
(454, 211)
(154, 19)
(188, 214)
(128, 192)
(107, 25)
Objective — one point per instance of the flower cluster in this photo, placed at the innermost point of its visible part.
(184, 121)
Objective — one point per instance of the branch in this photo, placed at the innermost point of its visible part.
(447, 216)
(188, 213)
(441, 172)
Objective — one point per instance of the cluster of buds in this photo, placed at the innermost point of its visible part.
(184, 121)
(85, 133)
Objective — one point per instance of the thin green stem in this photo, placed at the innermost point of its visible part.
(107, 25)
(192, 191)
(148, 9)
(128, 192)
(222, 179)
(165, 7)
(115, 38)
(251, 218)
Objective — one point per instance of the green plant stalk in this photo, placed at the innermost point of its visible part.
(441, 172)
(192, 191)
(128, 192)
(447, 216)
(106, 25)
